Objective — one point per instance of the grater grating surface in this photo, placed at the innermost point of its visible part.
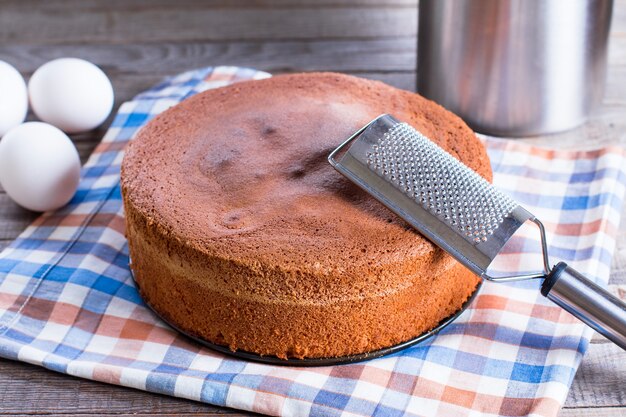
(433, 178)
(441, 197)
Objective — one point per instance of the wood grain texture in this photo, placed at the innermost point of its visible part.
(56, 5)
(206, 413)
(153, 24)
(27, 389)
(13, 219)
(166, 58)
(592, 412)
(599, 381)
(137, 42)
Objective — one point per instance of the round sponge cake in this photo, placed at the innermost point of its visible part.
(241, 233)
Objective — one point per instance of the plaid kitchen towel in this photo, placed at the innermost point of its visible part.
(68, 303)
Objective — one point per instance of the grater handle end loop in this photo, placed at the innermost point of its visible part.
(537, 275)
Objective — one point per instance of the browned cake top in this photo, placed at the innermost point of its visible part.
(241, 173)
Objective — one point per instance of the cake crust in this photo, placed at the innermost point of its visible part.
(241, 233)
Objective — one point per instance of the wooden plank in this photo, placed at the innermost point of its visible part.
(13, 218)
(600, 378)
(26, 389)
(593, 412)
(168, 58)
(216, 412)
(120, 21)
(153, 24)
(213, 4)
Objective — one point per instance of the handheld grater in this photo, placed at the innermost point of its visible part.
(462, 213)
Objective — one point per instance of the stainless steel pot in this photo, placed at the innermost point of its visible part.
(514, 67)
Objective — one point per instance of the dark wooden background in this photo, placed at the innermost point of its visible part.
(138, 42)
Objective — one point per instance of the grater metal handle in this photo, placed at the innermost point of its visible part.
(587, 301)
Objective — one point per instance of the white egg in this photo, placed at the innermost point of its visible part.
(13, 98)
(39, 166)
(71, 94)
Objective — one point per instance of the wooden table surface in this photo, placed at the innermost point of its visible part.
(138, 42)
